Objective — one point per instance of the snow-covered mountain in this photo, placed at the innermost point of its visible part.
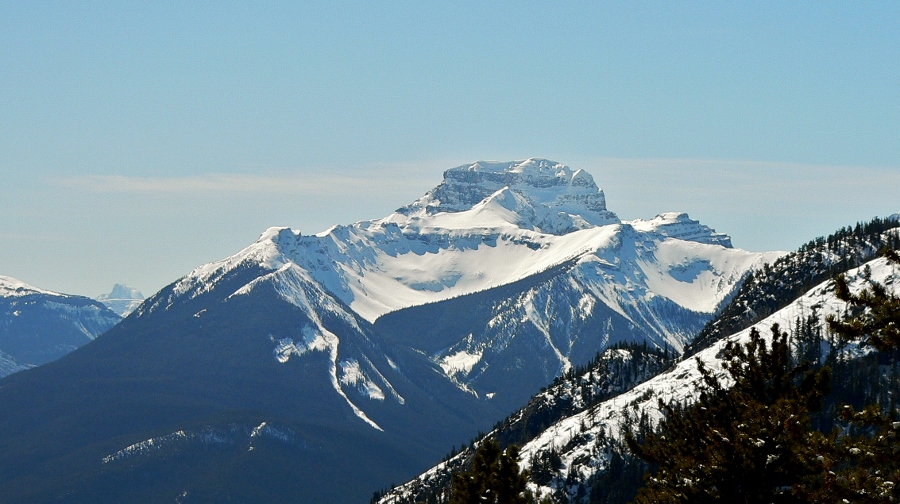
(472, 233)
(122, 299)
(564, 275)
(38, 326)
(582, 446)
(374, 346)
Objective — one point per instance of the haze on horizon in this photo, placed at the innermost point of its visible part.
(140, 141)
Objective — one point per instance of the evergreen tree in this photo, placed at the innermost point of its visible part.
(875, 311)
(494, 478)
(747, 443)
(868, 468)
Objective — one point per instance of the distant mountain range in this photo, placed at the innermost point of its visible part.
(334, 364)
(38, 326)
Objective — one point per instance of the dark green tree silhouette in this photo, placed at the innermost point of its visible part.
(868, 467)
(749, 442)
(494, 478)
(874, 312)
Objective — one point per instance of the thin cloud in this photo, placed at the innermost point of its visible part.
(739, 176)
(694, 178)
(746, 167)
(222, 183)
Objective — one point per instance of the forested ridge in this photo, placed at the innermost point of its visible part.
(794, 425)
(774, 286)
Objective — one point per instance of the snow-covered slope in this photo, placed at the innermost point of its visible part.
(8, 365)
(582, 439)
(11, 287)
(122, 299)
(38, 326)
(791, 275)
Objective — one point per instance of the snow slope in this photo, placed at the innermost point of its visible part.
(11, 287)
(8, 365)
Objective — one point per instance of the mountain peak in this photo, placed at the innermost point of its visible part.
(564, 199)
(532, 166)
(10, 286)
(122, 299)
(121, 291)
(680, 225)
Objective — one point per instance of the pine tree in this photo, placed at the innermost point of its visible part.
(494, 478)
(747, 443)
(876, 311)
(869, 459)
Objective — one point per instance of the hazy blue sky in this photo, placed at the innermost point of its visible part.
(141, 139)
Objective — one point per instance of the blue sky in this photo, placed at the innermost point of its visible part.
(139, 140)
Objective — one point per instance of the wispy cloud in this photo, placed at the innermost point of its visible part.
(218, 183)
(696, 179)
(747, 168)
(740, 176)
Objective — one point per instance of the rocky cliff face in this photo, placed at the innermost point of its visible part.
(681, 226)
(561, 200)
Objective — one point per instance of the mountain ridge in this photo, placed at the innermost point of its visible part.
(38, 326)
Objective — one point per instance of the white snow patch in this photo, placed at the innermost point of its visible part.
(352, 375)
(310, 340)
(696, 275)
(460, 362)
(333, 340)
(539, 321)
